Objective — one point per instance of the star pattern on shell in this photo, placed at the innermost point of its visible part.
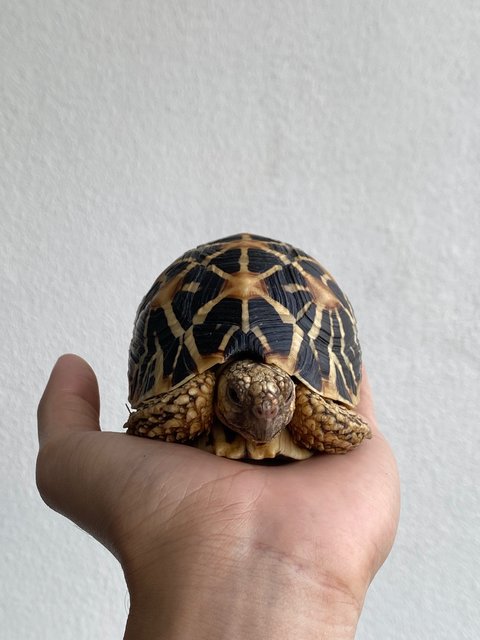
(245, 294)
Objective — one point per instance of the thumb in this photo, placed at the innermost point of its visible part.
(71, 400)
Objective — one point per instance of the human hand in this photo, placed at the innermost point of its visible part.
(212, 547)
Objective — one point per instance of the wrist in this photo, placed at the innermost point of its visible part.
(215, 595)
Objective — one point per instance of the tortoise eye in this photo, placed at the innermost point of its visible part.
(233, 395)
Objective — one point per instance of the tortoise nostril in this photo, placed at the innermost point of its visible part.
(266, 409)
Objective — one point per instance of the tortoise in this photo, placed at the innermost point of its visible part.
(247, 347)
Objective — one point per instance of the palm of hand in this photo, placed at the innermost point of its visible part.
(336, 513)
(149, 500)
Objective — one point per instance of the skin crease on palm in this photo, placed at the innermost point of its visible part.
(183, 521)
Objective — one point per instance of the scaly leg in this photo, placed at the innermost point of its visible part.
(324, 425)
(179, 415)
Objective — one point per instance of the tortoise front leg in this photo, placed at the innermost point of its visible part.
(324, 425)
(179, 415)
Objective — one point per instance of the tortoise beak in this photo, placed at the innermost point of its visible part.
(262, 431)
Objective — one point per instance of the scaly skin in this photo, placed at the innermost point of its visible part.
(179, 415)
(324, 425)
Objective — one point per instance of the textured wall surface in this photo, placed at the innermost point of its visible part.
(131, 132)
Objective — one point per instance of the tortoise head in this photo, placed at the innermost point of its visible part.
(254, 399)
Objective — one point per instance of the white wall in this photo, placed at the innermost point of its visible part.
(132, 131)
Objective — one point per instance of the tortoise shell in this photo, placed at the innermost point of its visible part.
(245, 294)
